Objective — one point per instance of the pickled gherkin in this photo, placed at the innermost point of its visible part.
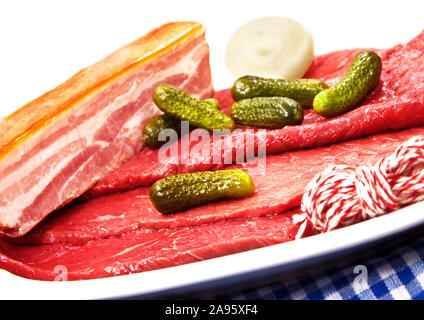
(301, 90)
(360, 79)
(187, 190)
(202, 114)
(267, 112)
(154, 127)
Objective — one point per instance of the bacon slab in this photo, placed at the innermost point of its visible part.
(57, 146)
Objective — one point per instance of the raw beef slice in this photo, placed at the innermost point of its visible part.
(57, 146)
(122, 233)
(397, 102)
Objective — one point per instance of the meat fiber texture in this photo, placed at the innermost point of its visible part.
(122, 233)
(56, 147)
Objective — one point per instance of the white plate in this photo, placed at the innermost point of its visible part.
(48, 42)
(287, 257)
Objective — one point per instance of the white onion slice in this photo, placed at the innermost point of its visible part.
(270, 47)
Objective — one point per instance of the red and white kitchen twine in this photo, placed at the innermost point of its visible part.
(343, 195)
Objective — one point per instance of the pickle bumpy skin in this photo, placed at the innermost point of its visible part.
(183, 191)
(301, 90)
(202, 114)
(360, 79)
(267, 112)
(213, 102)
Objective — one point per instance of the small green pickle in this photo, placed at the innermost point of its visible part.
(153, 128)
(267, 112)
(360, 79)
(202, 114)
(301, 90)
(187, 190)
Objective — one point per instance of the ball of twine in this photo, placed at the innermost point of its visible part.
(344, 195)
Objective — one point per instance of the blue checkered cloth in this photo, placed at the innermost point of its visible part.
(397, 275)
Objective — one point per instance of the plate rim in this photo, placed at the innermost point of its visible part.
(224, 267)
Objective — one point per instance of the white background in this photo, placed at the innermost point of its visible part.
(42, 43)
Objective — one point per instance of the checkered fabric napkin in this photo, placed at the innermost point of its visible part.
(397, 275)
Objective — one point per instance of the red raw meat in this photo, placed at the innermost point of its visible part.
(397, 102)
(123, 233)
(144, 250)
(56, 147)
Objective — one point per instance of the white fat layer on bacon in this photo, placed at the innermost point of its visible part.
(12, 209)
